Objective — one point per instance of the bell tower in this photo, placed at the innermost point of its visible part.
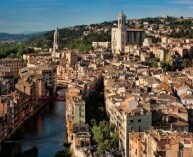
(56, 41)
(122, 21)
(121, 43)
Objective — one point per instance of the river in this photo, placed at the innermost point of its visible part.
(45, 131)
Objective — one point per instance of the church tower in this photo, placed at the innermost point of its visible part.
(56, 41)
(121, 33)
(122, 21)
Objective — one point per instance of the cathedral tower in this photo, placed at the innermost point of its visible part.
(122, 32)
(122, 21)
(56, 41)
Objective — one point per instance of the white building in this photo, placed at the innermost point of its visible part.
(121, 36)
(56, 41)
(104, 45)
(118, 36)
(55, 52)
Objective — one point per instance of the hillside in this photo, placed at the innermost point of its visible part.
(81, 37)
(78, 37)
(10, 38)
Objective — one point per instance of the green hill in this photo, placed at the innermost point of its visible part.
(78, 37)
(81, 37)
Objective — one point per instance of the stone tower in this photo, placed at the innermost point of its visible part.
(121, 32)
(122, 21)
(56, 41)
(119, 35)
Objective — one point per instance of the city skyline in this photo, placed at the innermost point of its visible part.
(19, 16)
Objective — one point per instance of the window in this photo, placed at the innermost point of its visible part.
(139, 128)
(80, 112)
(139, 120)
(131, 121)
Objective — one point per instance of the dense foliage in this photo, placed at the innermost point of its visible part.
(176, 64)
(64, 153)
(94, 101)
(78, 37)
(152, 20)
(85, 43)
(14, 50)
(181, 27)
(105, 136)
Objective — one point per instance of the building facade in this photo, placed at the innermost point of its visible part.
(121, 36)
(156, 143)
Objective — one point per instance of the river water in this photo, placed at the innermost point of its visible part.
(45, 131)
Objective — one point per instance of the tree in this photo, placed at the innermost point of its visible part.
(106, 137)
(154, 64)
(94, 102)
(186, 63)
(165, 66)
(64, 153)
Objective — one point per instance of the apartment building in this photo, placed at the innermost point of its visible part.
(30, 88)
(13, 63)
(157, 143)
(50, 77)
(131, 120)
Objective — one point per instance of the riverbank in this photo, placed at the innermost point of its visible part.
(46, 131)
(42, 103)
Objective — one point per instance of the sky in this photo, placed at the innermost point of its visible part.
(21, 16)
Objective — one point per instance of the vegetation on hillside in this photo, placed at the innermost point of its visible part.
(182, 28)
(78, 37)
(172, 63)
(5, 37)
(81, 37)
(14, 50)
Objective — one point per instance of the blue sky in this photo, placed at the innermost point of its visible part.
(18, 16)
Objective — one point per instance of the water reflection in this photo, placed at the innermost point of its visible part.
(46, 132)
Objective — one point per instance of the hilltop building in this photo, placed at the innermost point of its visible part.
(122, 37)
(56, 41)
(55, 52)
